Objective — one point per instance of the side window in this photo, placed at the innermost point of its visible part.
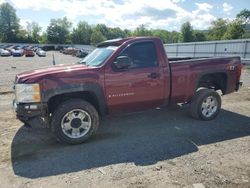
(142, 55)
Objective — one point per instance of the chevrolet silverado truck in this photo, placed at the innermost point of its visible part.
(122, 75)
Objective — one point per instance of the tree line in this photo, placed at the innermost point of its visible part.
(60, 31)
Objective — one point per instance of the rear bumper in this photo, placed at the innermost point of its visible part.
(25, 112)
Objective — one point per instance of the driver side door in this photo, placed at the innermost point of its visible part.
(138, 86)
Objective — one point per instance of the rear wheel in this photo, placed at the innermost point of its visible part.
(74, 121)
(205, 104)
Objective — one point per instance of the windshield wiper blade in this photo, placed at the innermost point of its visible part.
(82, 62)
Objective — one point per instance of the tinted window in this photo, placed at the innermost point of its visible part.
(142, 55)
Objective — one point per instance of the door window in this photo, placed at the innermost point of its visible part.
(141, 55)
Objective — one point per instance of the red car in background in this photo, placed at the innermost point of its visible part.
(29, 53)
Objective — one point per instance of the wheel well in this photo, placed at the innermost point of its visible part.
(86, 95)
(216, 81)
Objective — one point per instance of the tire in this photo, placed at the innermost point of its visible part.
(74, 121)
(205, 105)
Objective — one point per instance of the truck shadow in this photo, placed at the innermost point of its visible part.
(141, 138)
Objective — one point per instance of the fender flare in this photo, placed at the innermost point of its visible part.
(93, 88)
(208, 72)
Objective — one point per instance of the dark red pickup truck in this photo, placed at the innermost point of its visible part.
(122, 75)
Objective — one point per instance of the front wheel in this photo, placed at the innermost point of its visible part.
(205, 105)
(74, 121)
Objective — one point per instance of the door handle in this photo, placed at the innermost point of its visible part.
(154, 75)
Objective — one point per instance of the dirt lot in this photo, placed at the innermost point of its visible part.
(156, 148)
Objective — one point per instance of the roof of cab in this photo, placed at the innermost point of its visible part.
(114, 42)
(120, 41)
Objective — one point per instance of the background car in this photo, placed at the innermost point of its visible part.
(48, 48)
(62, 48)
(18, 52)
(40, 52)
(81, 53)
(29, 53)
(5, 52)
(69, 51)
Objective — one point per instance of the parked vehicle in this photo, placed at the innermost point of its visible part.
(6, 46)
(69, 51)
(18, 53)
(59, 48)
(40, 52)
(81, 53)
(5, 52)
(29, 53)
(10, 48)
(48, 48)
(24, 47)
(62, 48)
(74, 51)
(122, 76)
(35, 48)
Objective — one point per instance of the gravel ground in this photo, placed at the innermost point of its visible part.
(156, 148)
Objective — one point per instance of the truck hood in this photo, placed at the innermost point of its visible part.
(38, 73)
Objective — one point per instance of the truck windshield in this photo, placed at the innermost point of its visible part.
(98, 56)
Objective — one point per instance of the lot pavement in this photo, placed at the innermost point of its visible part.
(157, 148)
(10, 66)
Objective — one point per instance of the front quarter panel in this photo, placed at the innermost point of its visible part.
(73, 81)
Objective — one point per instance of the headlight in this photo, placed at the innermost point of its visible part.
(27, 93)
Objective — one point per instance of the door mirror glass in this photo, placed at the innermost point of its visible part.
(122, 62)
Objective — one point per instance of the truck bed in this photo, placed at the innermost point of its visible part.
(186, 71)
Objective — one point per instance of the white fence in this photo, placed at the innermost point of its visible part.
(211, 48)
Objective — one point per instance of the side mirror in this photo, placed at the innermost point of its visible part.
(122, 62)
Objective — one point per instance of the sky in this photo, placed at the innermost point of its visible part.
(129, 14)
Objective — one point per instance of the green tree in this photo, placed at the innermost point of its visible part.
(103, 29)
(199, 36)
(162, 34)
(9, 23)
(34, 30)
(1, 36)
(218, 29)
(187, 32)
(97, 37)
(22, 36)
(43, 38)
(175, 37)
(235, 30)
(127, 33)
(58, 31)
(82, 33)
(142, 31)
(116, 33)
(244, 15)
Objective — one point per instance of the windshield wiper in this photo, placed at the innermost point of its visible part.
(82, 62)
